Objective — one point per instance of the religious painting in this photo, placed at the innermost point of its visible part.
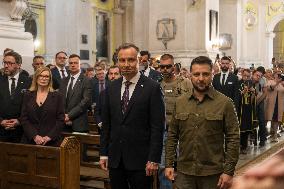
(213, 25)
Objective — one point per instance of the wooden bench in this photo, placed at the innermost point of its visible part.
(90, 170)
(40, 167)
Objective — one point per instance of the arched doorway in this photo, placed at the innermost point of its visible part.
(278, 41)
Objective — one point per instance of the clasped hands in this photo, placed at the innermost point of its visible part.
(39, 140)
(151, 167)
(10, 124)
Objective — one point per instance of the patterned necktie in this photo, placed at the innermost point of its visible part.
(13, 86)
(62, 73)
(69, 92)
(125, 97)
(223, 79)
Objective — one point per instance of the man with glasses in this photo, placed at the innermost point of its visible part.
(12, 84)
(59, 72)
(173, 86)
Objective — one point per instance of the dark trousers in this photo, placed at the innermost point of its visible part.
(262, 133)
(244, 139)
(121, 178)
(184, 181)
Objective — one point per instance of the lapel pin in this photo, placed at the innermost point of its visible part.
(142, 86)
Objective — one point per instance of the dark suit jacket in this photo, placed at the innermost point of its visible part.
(137, 136)
(155, 75)
(79, 102)
(230, 89)
(56, 78)
(51, 121)
(10, 106)
(96, 89)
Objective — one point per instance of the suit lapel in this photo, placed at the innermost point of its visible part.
(116, 92)
(6, 86)
(137, 92)
(77, 84)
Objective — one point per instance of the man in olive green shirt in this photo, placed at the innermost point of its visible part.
(202, 121)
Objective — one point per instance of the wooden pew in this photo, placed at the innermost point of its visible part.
(90, 170)
(40, 167)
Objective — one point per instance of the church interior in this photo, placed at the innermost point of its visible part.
(250, 32)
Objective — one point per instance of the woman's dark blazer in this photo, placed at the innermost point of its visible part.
(49, 124)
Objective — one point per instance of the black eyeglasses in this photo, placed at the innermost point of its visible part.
(166, 66)
(8, 63)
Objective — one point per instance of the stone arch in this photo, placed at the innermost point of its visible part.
(274, 22)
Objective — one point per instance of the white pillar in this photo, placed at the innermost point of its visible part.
(269, 49)
(12, 32)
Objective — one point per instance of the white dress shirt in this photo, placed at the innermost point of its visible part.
(64, 69)
(226, 77)
(16, 80)
(147, 71)
(76, 76)
(134, 82)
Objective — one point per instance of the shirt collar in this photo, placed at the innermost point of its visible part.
(133, 80)
(76, 75)
(210, 93)
(227, 72)
(15, 76)
(59, 69)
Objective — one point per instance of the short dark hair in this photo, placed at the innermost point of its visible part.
(38, 56)
(17, 56)
(127, 46)
(113, 66)
(59, 53)
(226, 58)
(261, 69)
(246, 70)
(201, 60)
(166, 57)
(74, 56)
(143, 53)
(7, 50)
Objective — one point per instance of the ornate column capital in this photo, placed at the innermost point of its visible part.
(18, 8)
(117, 7)
(270, 34)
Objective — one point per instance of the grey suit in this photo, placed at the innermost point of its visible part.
(80, 100)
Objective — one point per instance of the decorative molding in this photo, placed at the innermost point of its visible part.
(18, 9)
(250, 17)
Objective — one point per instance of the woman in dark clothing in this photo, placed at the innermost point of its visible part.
(42, 111)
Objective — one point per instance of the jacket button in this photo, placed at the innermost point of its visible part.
(120, 141)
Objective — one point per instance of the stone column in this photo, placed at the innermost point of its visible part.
(12, 34)
(117, 13)
(269, 49)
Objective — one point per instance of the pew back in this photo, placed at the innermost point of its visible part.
(40, 167)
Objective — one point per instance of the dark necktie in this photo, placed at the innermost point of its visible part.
(223, 79)
(62, 73)
(125, 97)
(143, 72)
(13, 86)
(102, 87)
(69, 92)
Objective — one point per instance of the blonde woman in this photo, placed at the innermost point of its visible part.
(42, 111)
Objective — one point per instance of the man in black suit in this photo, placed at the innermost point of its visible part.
(13, 85)
(226, 82)
(78, 92)
(99, 83)
(145, 69)
(133, 125)
(59, 72)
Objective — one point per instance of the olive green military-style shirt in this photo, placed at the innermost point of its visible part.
(172, 90)
(201, 128)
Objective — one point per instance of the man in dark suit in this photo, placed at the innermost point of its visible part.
(226, 82)
(133, 125)
(13, 85)
(99, 83)
(77, 90)
(145, 69)
(59, 72)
